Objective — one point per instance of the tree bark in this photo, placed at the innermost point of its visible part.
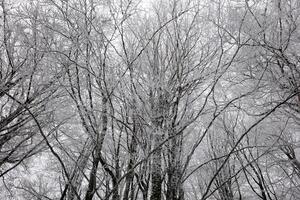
(97, 152)
(156, 170)
(174, 186)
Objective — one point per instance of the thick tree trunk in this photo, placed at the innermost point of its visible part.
(132, 151)
(116, 177)
(129, 179)
(92, 181)
(144, 188)
(116, 195)
(97, 152)
(145, 195)
(143, 183)
(128, 183)
(224, 183)
(174, 186)
(156, 170)
(77, 173)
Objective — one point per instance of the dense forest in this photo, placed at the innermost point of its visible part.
(150, 99)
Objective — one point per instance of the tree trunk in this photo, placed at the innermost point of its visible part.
(77, 173)
(132, 152)
(174, 187)
(156, 169)
(92, 182)
(129, 178)
(97, 152)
